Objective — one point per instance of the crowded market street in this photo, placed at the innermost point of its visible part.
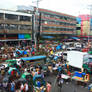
(70, 87)
(46, 46)
(28, 69)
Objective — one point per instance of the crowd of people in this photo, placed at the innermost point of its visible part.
(53, 67)
(10, 81)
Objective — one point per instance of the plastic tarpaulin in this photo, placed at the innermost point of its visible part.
(55, 58)
(25, 52)
(21, 36)
(27, 36)
(24, 74)
(89, 52)
(58, 47)
(19, 52)
(75, 38)
(48, 37)
(33, 58)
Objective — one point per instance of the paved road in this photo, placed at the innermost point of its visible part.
(70, 87)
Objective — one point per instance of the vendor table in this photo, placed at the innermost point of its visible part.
(65, 76)
(80, 81)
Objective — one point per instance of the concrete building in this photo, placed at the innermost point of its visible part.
(15, 26)
(54, 23)
(84, 26)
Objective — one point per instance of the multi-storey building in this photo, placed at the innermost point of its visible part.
(84, 26)
(15, 26)
(55, 23)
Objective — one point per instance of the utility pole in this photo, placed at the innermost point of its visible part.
(36, 21)
(38, 33)
(33, 28)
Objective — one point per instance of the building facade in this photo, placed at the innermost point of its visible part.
(55, 23)
(84, 26)
(15, 26)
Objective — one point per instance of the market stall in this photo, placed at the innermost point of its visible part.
(81, 78)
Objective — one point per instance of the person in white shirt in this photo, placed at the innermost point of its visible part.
(26, 87)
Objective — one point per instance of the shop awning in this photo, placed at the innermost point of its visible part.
(33, 58)
(48, 37)
(75, 38)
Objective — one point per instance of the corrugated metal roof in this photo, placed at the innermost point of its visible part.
(14, 12)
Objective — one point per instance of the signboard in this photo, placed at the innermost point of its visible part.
(23, 7)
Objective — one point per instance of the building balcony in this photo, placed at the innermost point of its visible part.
(57, 32)
(15, 31)
(61, 20)
(2, 21)
(54, 25)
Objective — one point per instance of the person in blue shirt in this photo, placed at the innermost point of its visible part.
(38, 84)
(59, 68)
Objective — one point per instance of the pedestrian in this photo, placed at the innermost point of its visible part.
(26, 88)
(18, 84)
(5, 85)
(48, 86)
(12, 86)
(60, 83)
(21, 87)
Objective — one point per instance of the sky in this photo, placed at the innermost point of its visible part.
(72, 7)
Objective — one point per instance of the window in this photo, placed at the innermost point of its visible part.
(25, 18)
(78, 28)
(1, 26)
(11, 17)
(25, 27)
(1, 15)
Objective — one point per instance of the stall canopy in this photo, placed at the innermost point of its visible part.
(27, 36)
(75, 38)
(33, 58)
(48, 37)
(58, 47)
(21, 36)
